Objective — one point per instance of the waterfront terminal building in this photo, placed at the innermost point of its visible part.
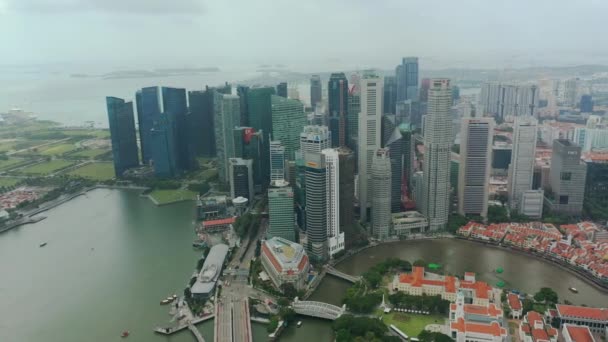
(210, 272)
(285, 262)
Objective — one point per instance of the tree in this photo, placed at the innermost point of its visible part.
(287, 314)
(527, 305)
(427, 336)
(373, 278)
(272, 326)
(289, 290)
(546, 295)
(420, 263)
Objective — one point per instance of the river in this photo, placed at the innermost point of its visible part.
(112, 256)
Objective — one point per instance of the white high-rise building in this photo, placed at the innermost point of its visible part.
(521, 169)
(277, 161)
(508, 100)
(381, 194)
(315, 138)
(437, 145)
(335, 238)
(370, 119)
(475, 163)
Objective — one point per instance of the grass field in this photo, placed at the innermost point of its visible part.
(410, 324)
(6, 181)
(95, 171)
(6, 145)
(56, 150)
(90, 153)
(98, 133)
(170, 196)
(7, 164)
(46, 167)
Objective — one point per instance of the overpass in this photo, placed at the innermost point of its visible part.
(342, 275)
(318, 309)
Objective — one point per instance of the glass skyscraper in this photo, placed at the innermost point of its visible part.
(123, 136)
(407, 79)
(175, 106)
(288, 120)
(148, 110)
(337, 94)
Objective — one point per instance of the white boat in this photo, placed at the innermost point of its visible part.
(573, 289)
(299, 324)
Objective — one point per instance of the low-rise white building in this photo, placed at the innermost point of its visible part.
(476, 323)
(577, 333)
(285, 262)
(534, 329)
(409, 222)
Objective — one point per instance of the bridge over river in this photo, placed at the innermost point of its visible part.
(353, 279)
(318, 309)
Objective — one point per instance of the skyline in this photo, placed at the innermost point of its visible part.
(479, 35)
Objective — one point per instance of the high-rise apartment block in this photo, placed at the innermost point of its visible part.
(381, 194)
(566, 178)
(476, 138)
(370, 118)
(122, 134)
(508, 100)
(437, 144)
(521, 168)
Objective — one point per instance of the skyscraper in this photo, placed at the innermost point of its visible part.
(566, 178)
(281, 218)
(260, 109)
(401, 150)
(175, 105)
(241, 178)
(425, 84)
(521, 169)
(502, 100)
(249, 144)
(337, 93)
(347, 193)
(316, 90)
(370, 118)
(122, 134)
(277, 161)
(288, 119)
(314, 139)
(476, 138)
(148, 110)
(282, 89)
(586, 105)
(390, 95)
(164, 147)
(437, 146)
(381, 194)
(204, 107)
(226, 119)
(352, 119)
(335, 237)
(316, 206)
(242, 91)
(407, 79)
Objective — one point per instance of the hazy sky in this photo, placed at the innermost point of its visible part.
(303, 34)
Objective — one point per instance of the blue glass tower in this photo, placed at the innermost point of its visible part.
(123, 136)
(407, 79)
(164, 149)
(175, 107)
(148, 110)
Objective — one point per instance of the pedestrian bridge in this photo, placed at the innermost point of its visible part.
(342, 275)
(318, 309)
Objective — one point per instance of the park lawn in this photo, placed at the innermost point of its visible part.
(7, 181)
(9, 163)
(6, 146)
(47, 167)
(206, 174)
(95, 171)
(411, 324)
(58, 149)
(89, 153)
(172, 195)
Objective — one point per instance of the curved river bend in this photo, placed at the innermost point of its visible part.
(112, 256)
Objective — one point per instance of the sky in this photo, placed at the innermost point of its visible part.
(302, 34)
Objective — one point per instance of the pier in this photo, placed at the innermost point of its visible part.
(171, 330)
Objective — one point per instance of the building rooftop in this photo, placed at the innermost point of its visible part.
(581, 312)
(579, 333)
(514, 301)
(207, 277)
(493, 329)
(285, 256)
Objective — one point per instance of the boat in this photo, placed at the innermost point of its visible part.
(165, 301)
(43, 244)
(174, 296)
(299, 324)
(125, 334)
(573, 289)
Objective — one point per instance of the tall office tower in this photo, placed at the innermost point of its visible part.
(148, 110)
(370, 118)
(347, 193)
(381, 194)
(175, 105)
(260, 109)
(241, 178)
(388, 127)
(503, 100)
(226, 119)
(204, 106)
(455, 94)
(437, 145)
(570, 92)
(316, 91)
(586, 105)
(596, 186)
(337, 94)
(314, 139)
(249, 144)
(282, 89)
(401, 150)
(521, 169)
(122, 134)
(277, 161)
(281, 217)
(407, 79)
(242, 91)
(476, 138)
(390, 95)
(352, 119)
(164, 147)
(566, 178)
(316, 206)
(425, 84)
(335, 237)
(288, 120)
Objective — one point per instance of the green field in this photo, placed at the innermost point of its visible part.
(47, 167)
(98, 133)
(6, 146)
(11, 162)
(6, 181)
(90, 153)
(410, 324)
(170, 196)
(95, 171)
(56, 150)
